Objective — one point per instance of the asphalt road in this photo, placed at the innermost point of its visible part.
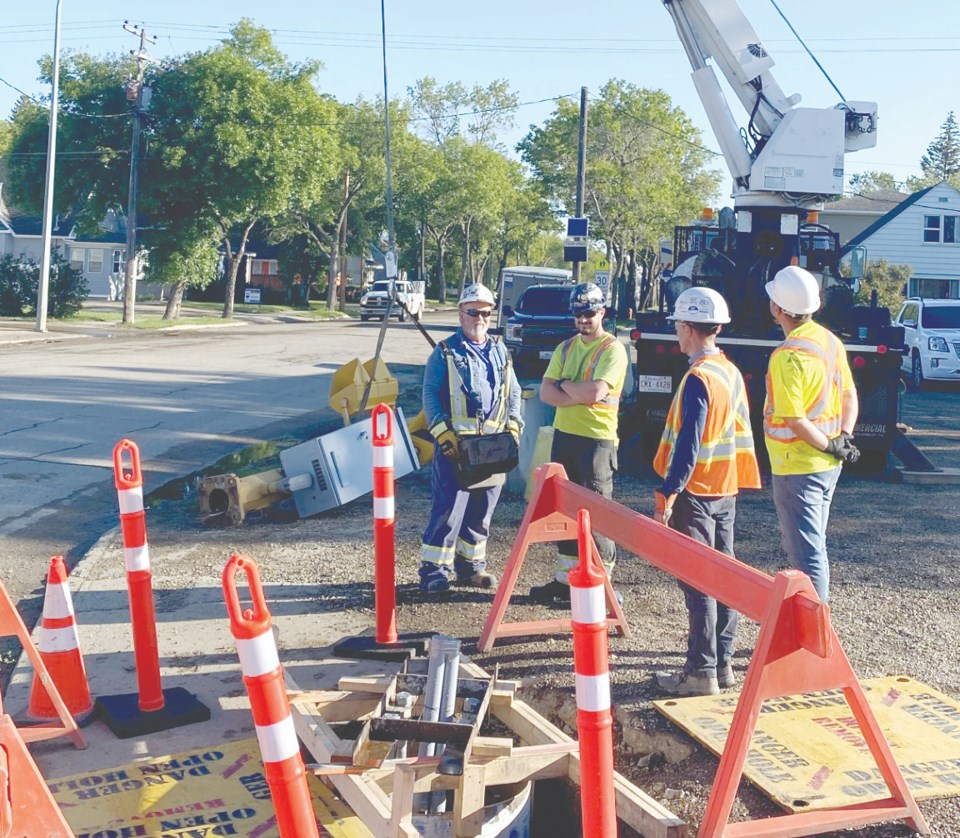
(187, 398)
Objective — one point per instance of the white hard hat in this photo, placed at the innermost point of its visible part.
(700, 305)
(795, 290)
(476, 293)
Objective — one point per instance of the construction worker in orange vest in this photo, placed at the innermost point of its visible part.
(705, 458)
(808, 421)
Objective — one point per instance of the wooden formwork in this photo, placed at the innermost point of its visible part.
(382, 794)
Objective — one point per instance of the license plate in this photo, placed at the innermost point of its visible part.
(655, 384)
(546, 355)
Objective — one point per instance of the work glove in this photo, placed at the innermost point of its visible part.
(664, 508)
(843, 448)
(514, 429)
(449, 444)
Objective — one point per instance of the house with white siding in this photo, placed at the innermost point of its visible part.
(102, 258)
(923, 232)
(848, 217)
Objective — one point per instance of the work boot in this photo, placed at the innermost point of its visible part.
(725, 677)
(435, 588)
(480, 579)
(687, 683)
(553, 593)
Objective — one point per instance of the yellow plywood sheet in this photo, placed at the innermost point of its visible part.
(206, 793)
(808, 753)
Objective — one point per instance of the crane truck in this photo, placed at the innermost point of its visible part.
(784, 165)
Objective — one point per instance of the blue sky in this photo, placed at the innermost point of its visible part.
(890, 52)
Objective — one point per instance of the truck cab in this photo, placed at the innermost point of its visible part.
(376, 301)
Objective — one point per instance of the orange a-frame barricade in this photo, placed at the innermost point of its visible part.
(27, 808)
(797, 649)
(11, 625)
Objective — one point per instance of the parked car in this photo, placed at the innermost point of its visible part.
(932, 336)
(541, 322)
(374, 302)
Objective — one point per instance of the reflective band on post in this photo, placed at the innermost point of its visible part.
(131, 500)
(258, 655)
(278, 741)
(588, 605)
(384, 509)
(382, 456)
(593, 692)
(136, 558)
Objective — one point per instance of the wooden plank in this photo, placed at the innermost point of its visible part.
(377, 685)
(468, 800)
(401, 806)
(492, 746)
(365, 799)
(340, 705)
(447, 733)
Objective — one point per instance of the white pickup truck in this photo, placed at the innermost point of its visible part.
(373, 304)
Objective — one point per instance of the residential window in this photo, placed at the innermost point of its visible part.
(76, 258)
(941, 229)
(118, 261)
(95, 262)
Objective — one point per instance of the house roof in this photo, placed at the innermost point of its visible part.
(878, 201)
(32, 225)
(884, 219)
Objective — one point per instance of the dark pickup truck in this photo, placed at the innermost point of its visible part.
(541, 322)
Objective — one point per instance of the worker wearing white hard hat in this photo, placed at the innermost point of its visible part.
(469, 388)
(808, 420)
(705, 458)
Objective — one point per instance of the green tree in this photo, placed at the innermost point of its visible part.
(888, 281)
(942, 160)
(646, 172)
(239, 132)
(872, 181)
(182, 258)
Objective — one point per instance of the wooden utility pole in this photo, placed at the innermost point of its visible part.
(139, 96)
(343, 243)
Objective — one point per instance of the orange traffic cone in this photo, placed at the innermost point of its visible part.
(60, 650)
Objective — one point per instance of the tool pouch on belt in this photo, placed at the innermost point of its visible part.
(485, 459)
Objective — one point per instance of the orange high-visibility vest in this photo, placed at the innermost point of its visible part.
(826, 408)
(726, 461)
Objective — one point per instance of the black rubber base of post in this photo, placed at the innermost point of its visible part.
(365, 647)
(125, 719)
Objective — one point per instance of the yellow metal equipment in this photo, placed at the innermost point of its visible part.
(351, 380)
(230, 497)
(421, 438)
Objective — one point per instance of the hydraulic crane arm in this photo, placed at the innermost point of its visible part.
(788, 150)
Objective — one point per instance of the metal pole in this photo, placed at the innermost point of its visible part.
(44, 283)
(130, 278)
(581, 167)
(386, 128)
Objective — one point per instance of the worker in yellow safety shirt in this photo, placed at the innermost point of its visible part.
(583, 382)
(808, 421)
(706, 456)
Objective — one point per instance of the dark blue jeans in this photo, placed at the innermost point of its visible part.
(713, 626)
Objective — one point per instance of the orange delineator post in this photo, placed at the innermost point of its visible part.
(27, 808)
(60, 649)
(11, 625)
(384, 525)
(591, 663)
(797, 649)
(263, 678)
(136, 557)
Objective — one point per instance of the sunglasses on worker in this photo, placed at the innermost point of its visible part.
(586, 315)
(478, 312)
